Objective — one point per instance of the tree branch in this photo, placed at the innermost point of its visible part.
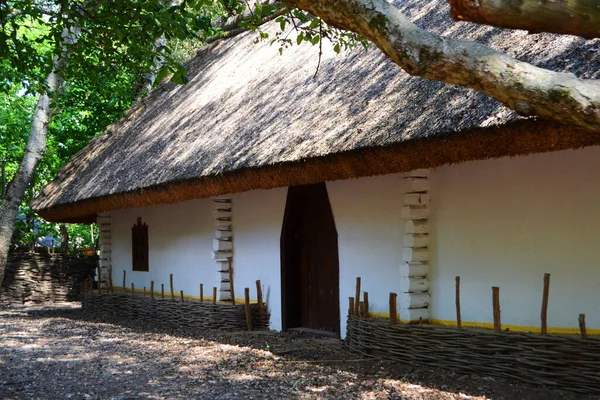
(527, 89)
(579, 17)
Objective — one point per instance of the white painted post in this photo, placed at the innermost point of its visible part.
(105, 244)
(414, 284)
(223, 244)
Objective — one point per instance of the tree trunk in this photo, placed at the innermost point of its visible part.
(36, 147)
(150, 76)
(529, 90)
(30, 226)
(572, 17)
(64, 239)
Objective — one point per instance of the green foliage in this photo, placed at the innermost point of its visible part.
(108, 47)
(306, 27)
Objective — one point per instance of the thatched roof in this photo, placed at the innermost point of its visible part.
(250, 119)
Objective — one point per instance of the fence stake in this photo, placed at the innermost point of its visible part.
(366, 305)
(231, 283)
(582, 326)
(259, 296)
(162, 290)
(544, 315)
(248, 314)
(214, 295)
(171, 283)
(144, 291)
(357, 296)
(393, 311)
(201, 293)
(132, 288)
(125, 281)
(496, 305)
(152, 290)
(181, 293)
(458, 317)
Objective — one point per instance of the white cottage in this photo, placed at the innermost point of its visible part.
(362, 171)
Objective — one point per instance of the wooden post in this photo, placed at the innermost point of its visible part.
(125, 281)
(132, 288)
(152, 290)
(351, 306)
(544, 314)
(214, 295)
(171, 283)
(99, 281)
(248, 314)
(201, 293)
(357, 296)
(366, 305)
(259, 296)
(582, 328)
(458, 317)
(144, 294)
(231, 283)
(162, 290)
(181, 293)
(393, 311)
(496, 305)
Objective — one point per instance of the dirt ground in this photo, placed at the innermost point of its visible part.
(57, 352)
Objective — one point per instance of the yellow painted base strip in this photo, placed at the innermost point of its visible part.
(515, 328)
(207, 299)
(488, 325)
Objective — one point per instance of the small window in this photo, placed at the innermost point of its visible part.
(139, 245)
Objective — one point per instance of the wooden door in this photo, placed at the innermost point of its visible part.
(309, 261)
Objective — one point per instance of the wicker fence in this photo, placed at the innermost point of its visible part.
(187, 314)
(44, 277)
(569, 362)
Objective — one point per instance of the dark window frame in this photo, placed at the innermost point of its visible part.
(139, 246)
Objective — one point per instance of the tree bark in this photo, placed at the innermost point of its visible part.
(36, 147)
(529, 90)
(572, 17)
(64, 239)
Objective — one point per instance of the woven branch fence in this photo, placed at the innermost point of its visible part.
(44, 277)
(188, 314)
(569, 362)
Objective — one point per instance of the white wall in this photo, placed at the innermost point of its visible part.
(370, 233)
(180, 242)
(494, 223)
(257, 221)
(505, 223)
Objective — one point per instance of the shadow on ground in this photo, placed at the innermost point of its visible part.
(50, 352)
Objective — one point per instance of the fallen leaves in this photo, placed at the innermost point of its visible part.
(49, 352)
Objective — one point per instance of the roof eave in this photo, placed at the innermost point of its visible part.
(515, 139)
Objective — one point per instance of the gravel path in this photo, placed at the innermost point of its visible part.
(57, 352)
